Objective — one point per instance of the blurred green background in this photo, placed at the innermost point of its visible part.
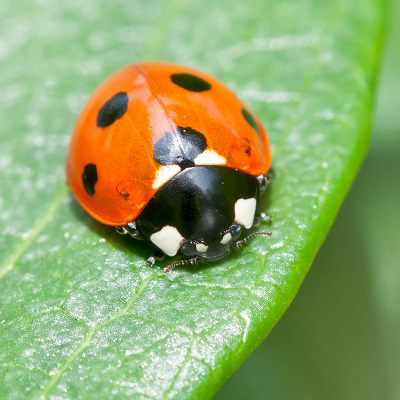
(340, 337)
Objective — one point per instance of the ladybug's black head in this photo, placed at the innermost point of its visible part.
(201, 212)
(212, 250)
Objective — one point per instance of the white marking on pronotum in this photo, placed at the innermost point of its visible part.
(201, 247)
(168, 239)
(209, 157)
(164, 174)
(244, 212)
(226, 238)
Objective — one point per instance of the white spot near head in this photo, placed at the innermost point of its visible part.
(245, 210)
(226, 238)
(168, 239)
(209, 157)
(164, 174)
(201, 247)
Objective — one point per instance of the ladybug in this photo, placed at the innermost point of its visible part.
(168, 154)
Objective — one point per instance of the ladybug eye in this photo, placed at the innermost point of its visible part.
(188, 248)
(236, 231)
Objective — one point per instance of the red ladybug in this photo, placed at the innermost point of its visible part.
(169, 154)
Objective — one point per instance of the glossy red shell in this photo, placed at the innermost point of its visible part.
(123, 151)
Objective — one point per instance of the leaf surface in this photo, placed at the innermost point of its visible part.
(81, 314)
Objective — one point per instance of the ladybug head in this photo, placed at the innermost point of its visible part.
(201, 212)
(212, 250)
(200, 252)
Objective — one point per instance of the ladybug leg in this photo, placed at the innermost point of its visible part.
(192, 261)
(262, 217)
(158, 255)
(265, 179)
(130, 229)
(121, 230)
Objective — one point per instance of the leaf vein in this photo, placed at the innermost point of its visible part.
(85, 343)
(39, 227)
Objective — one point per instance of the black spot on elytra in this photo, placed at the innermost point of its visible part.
(89, 178)
(112, 110)
(190, 82)
(180, 148)
(250, 120)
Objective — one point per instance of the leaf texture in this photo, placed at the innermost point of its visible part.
(81, 314)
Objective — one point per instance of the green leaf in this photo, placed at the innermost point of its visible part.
(81, 314)
(352, 351)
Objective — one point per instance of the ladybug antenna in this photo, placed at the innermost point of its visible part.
(251, 236)
(192, 261)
